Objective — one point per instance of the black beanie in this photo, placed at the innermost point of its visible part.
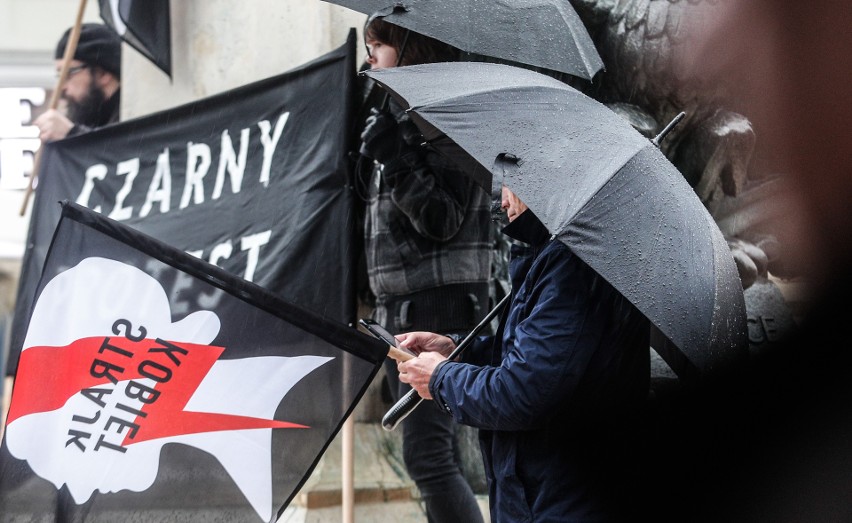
(98, 45)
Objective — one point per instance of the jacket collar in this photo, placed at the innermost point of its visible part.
(109, 112)
(528, 229)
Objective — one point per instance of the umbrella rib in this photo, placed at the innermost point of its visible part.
(449, 102)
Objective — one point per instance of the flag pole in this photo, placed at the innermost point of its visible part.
(347, 468)
(347, 454)
(399, 355)
(70, 49)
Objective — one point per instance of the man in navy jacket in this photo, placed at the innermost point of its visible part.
(553, 392)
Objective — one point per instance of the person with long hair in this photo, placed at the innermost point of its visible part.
(428, 247)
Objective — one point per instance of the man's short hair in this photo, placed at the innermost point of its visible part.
(98, 45)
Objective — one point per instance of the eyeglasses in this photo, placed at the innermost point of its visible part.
(74, 70)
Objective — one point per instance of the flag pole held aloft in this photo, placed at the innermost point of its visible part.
(70, 49)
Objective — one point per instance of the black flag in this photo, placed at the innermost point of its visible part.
(254, 180)
(143, 24)
(124, 409)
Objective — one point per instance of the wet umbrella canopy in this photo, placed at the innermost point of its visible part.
(542, 33)
(603, 189)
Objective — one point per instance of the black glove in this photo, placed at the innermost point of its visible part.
(380, 139)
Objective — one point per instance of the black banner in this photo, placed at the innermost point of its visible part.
(253, 180)
(145, 25)
(126, 410)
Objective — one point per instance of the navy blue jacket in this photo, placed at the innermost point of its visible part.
(552, 391)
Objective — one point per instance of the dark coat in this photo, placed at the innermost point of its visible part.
(570, 362)
(427, 237)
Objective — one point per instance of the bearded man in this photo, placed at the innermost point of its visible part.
(92, 89)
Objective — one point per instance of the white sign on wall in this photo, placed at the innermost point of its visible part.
(18, 137)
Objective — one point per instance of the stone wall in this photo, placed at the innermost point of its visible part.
(220, 44)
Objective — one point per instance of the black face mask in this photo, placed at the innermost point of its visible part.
(92, 110)
(498, 216)
(503, 163)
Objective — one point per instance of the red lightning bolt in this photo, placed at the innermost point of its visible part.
(48, 376)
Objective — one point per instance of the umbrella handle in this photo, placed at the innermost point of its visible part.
(402, 408)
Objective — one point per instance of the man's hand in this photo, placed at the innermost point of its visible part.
(418, 342)
(418, 371)
(5, 401)
(52, 126)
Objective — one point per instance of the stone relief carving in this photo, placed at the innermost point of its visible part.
(639, 41)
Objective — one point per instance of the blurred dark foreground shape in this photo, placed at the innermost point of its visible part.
(774, 443)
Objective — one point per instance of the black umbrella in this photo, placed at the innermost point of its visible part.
(545, 33)
(604, 190)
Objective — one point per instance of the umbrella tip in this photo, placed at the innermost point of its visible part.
(660, 137)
